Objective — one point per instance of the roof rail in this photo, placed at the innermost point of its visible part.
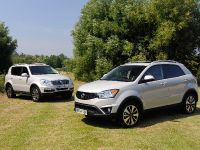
(157, 61)
(20, 64)
(139, 62)
(39, 63)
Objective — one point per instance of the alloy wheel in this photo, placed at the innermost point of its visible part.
(130, 115)
(190, 104)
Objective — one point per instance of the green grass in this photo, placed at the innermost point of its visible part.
(52, 124)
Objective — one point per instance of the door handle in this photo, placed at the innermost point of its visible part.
(163, 83)
(185, 80)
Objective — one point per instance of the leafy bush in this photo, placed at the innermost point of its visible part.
(198, 76)
(1, 83)
(122, 31)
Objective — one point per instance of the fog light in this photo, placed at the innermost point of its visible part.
(107, 110)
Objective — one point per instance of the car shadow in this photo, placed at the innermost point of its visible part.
(47, 99)
(150, 118)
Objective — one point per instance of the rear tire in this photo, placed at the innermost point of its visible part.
(10, 92)
(129, 114)
(35, 94)
(189, 103)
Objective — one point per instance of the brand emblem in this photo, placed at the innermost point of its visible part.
(82, 95)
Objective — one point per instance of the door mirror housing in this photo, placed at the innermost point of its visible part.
(24, 75)
(149, 78)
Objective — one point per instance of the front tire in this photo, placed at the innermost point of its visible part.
(129, 114)
(189, 104)
(35, 94)
(10, 92)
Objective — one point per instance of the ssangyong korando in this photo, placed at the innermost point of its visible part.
(38, 80)
(130, 89)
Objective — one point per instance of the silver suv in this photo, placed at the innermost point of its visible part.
(37, 80)
(130, 89)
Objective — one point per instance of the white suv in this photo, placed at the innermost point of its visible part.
(130, 89)
(37, 80)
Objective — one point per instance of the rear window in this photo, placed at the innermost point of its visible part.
(171, 71)
(16, 71)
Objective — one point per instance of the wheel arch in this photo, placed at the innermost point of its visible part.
(131, 99)
(7, 83)
(32, 85)
(193, 91)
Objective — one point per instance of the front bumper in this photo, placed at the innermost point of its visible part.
(56, 89)
(95, 111)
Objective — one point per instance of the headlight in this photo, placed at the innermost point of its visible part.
(45, 82)
(108, 93)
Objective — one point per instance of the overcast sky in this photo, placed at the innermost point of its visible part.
(42, 26)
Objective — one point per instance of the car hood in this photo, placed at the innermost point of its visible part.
(101, 85)
(52, 77)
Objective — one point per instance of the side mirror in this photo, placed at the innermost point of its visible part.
(24, 75)
(104, 75)
(148, 78)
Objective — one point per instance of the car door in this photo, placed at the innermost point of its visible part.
(24, 81)
(154, 93)
(15, 75)
(175, 78)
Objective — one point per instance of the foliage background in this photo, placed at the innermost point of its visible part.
(113, 32)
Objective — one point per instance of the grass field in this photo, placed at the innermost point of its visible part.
(52, 124)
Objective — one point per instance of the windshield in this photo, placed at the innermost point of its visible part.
(39, 70)
(124, 73)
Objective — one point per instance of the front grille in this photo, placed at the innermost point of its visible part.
(85, 95)
(60, 82)
(89, 108)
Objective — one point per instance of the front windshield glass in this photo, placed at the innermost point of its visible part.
(124, 73)
(39, 70)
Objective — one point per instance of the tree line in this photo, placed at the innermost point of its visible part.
(112, 32)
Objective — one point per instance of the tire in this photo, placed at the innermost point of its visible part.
(129, 114)
(10, 92)
(35, 94)
(189, 103)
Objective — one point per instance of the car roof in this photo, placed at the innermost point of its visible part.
(35, 64)
(147, 63)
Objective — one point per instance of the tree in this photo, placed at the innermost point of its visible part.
(118, 31)
(7, 47)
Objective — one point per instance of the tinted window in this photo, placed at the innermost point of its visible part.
(25, 70)
(171, 71)
(39, 70)
(155, 71)
(124, 73)
(16, 71)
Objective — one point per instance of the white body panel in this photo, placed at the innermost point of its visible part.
(152, 94)
(23, 84)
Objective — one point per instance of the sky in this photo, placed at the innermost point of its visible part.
(42, 26)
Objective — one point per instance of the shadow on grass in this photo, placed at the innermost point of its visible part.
(150, 118)
(47, 99)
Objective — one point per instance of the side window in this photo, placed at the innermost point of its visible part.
(16, 71)
(155, 71)
(25, 70)
(171, 71)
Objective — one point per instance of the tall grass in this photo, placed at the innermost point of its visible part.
(2, 83)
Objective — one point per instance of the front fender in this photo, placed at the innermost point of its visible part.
(126, 94)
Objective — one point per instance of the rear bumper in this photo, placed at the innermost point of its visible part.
(94, 111)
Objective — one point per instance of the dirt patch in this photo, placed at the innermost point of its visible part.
(12, 108)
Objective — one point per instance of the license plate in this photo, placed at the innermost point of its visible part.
(81, 111)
